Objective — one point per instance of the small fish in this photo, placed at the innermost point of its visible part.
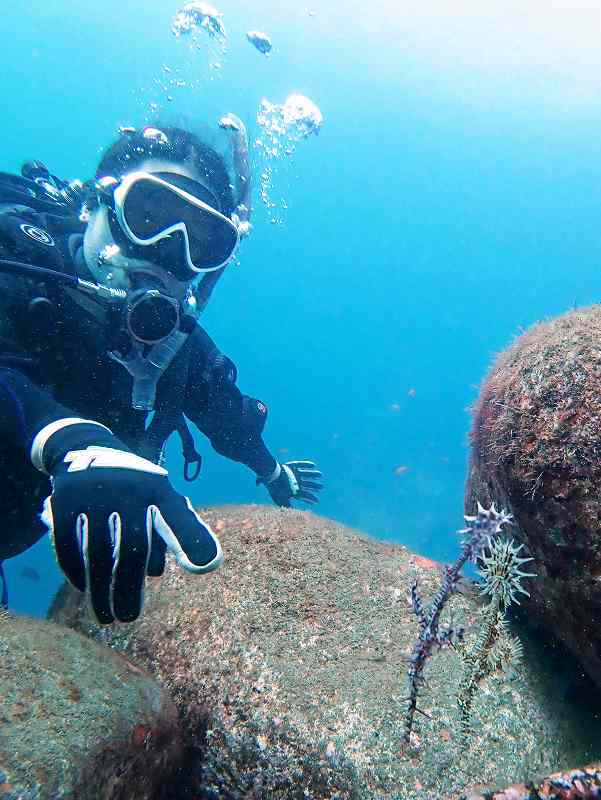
(30, 573)
(412, 392)
(260, 40)
(129, 129)
(395, 407)
(401, 470)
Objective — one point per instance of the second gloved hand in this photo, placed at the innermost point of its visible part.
(294, 480)
(112, 515)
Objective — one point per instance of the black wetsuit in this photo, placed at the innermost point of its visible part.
(54, 363)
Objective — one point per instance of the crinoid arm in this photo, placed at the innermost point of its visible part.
(501, 570)
(495, 648)
(506, 652)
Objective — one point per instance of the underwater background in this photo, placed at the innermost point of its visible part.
(451, 199)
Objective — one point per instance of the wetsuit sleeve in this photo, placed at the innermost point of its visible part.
(232, 421)
(25, 409)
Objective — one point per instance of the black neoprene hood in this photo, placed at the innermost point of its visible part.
(176, 145)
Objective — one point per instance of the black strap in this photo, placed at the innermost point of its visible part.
(169, 418)
(22, 269)
(204, 290)
(160, 429)
(191, 455)
(165, 422)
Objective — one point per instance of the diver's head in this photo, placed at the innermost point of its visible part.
(161, 212)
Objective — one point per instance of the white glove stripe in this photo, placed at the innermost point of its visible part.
(149, 526)
(294, 487)
(41, 438)
(48, 519)
(115, 534)
(172, 542)
(94, 457)
(275, 474)
(82, 534)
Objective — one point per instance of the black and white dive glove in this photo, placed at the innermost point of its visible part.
(112, 515)
(294, 480)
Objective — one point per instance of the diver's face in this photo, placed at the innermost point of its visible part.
(112, 264)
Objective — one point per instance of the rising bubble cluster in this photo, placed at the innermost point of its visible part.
(289, 123)
(204, 24)
(260, 40)
(198, 16)
(284, 126)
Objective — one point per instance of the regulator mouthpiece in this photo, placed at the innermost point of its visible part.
(151, 316)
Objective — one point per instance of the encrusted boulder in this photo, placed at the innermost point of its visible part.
(536, 450)
(289, 666)
(78, 720)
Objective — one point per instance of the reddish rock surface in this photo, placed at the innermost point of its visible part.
(536, 450)
(574, 784)
(287, 665)
(78, 720)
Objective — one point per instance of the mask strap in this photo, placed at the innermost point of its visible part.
(241, 158)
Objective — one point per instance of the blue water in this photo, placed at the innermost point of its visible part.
(451, 199)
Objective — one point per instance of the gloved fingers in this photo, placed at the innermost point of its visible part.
(68, 534)
(310, 486)
(131, 566)
(301, 465)
(310, 474)
(190, 538)
(156, 563)
(307, 497)
(101, 545)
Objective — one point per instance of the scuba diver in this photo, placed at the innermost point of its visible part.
(102, 358)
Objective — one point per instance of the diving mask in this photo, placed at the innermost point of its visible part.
(173, 219)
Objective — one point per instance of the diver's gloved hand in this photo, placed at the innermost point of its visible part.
(294, 480)
(112, 515)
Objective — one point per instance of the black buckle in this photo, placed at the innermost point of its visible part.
(196, 462)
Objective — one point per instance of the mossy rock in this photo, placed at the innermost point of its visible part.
(78, 720)
(289, 666)
(536, 449)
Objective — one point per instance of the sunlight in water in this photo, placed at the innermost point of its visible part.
(554, 43)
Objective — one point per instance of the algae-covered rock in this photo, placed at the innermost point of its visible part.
(78, 720)
(289, 664)
(536, 449)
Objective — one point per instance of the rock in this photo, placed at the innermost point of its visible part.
(288, 665)
(536, 450)
(76, 717)
(575, 783)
